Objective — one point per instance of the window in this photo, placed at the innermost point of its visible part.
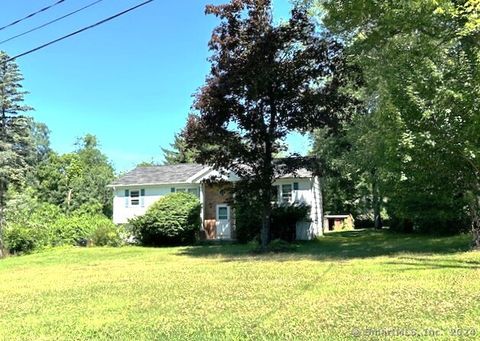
(134, 198)
(194, 191)
(223, 213)
(287, 193)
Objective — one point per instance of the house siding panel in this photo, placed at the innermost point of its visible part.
(122, 214)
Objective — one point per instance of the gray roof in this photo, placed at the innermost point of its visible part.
(177, 174)
(171, 174)
(300, 173)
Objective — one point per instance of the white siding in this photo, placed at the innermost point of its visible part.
(305, 194)
(121, 213)
(306, 230)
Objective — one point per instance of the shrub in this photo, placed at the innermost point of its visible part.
(248, 219)
(32, 225)
(173, 219)
(28, 222)
(285, 218)
(107, 235)
(82, 229)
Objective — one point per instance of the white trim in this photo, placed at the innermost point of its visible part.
(139, 198)
(202, 206)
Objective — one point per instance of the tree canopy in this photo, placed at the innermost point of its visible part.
(420, 61)
(265, 82)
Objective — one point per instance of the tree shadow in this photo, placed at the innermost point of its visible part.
(419, 263)
(341, 246)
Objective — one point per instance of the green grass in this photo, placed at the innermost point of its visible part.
(346, 283)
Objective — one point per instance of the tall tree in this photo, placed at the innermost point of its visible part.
(14, 131)
(77, 181)
(265, 82)
(422, 71)
(179, 151)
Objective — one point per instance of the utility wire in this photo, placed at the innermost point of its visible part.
(50, 22)
(31, 15)
(79, 31)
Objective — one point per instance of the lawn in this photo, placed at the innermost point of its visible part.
(347, 285)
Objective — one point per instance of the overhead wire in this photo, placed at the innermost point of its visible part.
(79, 31)
(51, 22)
(31, 15)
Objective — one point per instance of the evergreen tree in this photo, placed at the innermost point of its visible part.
(14, 132)
(179, 152)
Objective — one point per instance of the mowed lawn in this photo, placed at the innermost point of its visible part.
(348, 285)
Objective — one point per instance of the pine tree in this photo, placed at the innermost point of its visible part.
(15, 134)
(179, 152)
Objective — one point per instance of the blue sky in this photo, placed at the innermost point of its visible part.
(129, 82)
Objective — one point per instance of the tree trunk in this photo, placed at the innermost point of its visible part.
(3, 189)
(377, 206)
(265, 231)
(475, 213)
(69, 199)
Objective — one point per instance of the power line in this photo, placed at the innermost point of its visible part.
(50, 22)
(79, 31)
(31, 15)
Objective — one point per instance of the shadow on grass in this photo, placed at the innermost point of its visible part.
(344, 246)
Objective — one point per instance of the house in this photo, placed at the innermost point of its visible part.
(135, 191)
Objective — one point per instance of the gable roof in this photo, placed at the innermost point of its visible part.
(183, 173)
(154, 175)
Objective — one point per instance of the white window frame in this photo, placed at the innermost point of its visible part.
(279, 186)
(187, 189)
(139, 198)
(290, 199)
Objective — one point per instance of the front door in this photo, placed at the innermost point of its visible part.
(223, 222)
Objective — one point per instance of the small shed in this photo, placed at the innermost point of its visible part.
(338, 222)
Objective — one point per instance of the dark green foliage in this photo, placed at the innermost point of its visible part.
(285, 218)
(266, 81)
(418, 146)
(77, 181)
(80, 229)
(15, 141)
(180, 152)
(173, 219)
(28, 222)
(248, 219)
(33, 225)
(107, 234)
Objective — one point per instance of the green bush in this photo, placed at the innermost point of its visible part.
(32, 225)
(174, 219)
(107, 235)
(284, 220)
(28, 222)
(248, 219)
(84, 229)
